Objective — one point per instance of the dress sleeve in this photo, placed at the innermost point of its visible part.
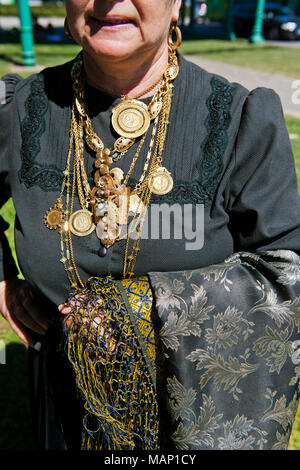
(263, 203)
(230, 332)
(8, 268)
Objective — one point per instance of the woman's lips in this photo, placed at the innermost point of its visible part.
(112, 22)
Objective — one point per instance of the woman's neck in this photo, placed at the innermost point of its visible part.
(119, 78)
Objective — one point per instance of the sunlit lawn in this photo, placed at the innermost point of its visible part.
(265, 57)
(45, 55)
(15, 424)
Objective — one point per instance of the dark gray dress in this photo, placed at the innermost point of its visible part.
(230, 157)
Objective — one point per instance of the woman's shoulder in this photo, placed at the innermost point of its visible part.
(210, 84)
(50, 81)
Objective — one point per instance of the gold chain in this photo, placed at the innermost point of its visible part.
(138, 221)
(125, 97)
(67, 257)
(73, 266)
(81, 125)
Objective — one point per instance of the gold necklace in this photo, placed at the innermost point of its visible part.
(127, 97)
(128, 115)
(106, 206)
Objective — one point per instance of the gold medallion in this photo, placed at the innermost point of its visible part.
(161, 182)
(81, 223)
(172, 71)
(53, 218)
(131, 119)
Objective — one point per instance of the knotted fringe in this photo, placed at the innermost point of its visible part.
(121, 411)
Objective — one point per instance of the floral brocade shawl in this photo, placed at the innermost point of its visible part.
(219, 350)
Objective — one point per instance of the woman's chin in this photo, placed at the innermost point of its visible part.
(108, 48)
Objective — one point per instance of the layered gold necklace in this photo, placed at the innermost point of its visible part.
(110, 203)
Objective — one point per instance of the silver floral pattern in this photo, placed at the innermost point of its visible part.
(228, 334)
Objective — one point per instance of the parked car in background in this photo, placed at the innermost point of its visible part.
(200, 11)
(279, 22)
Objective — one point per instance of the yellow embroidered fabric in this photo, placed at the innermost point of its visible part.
(140, 298)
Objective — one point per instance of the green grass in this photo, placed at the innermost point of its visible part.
(293, 126)
(45, 54)
(47, 9)
(268, 58)
(265, 57)
(15, 421)
(294, 443)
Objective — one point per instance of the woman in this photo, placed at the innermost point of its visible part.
(87, 148)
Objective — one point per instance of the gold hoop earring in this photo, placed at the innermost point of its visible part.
(174, 29)
(66, 28)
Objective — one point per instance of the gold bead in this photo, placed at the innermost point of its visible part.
(99, 154)
(107, 160)
(59, 203)
(104, 169)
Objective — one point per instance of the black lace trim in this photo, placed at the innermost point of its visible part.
(210, 166)
(199, 191)
(47, 177)
(182, 193)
